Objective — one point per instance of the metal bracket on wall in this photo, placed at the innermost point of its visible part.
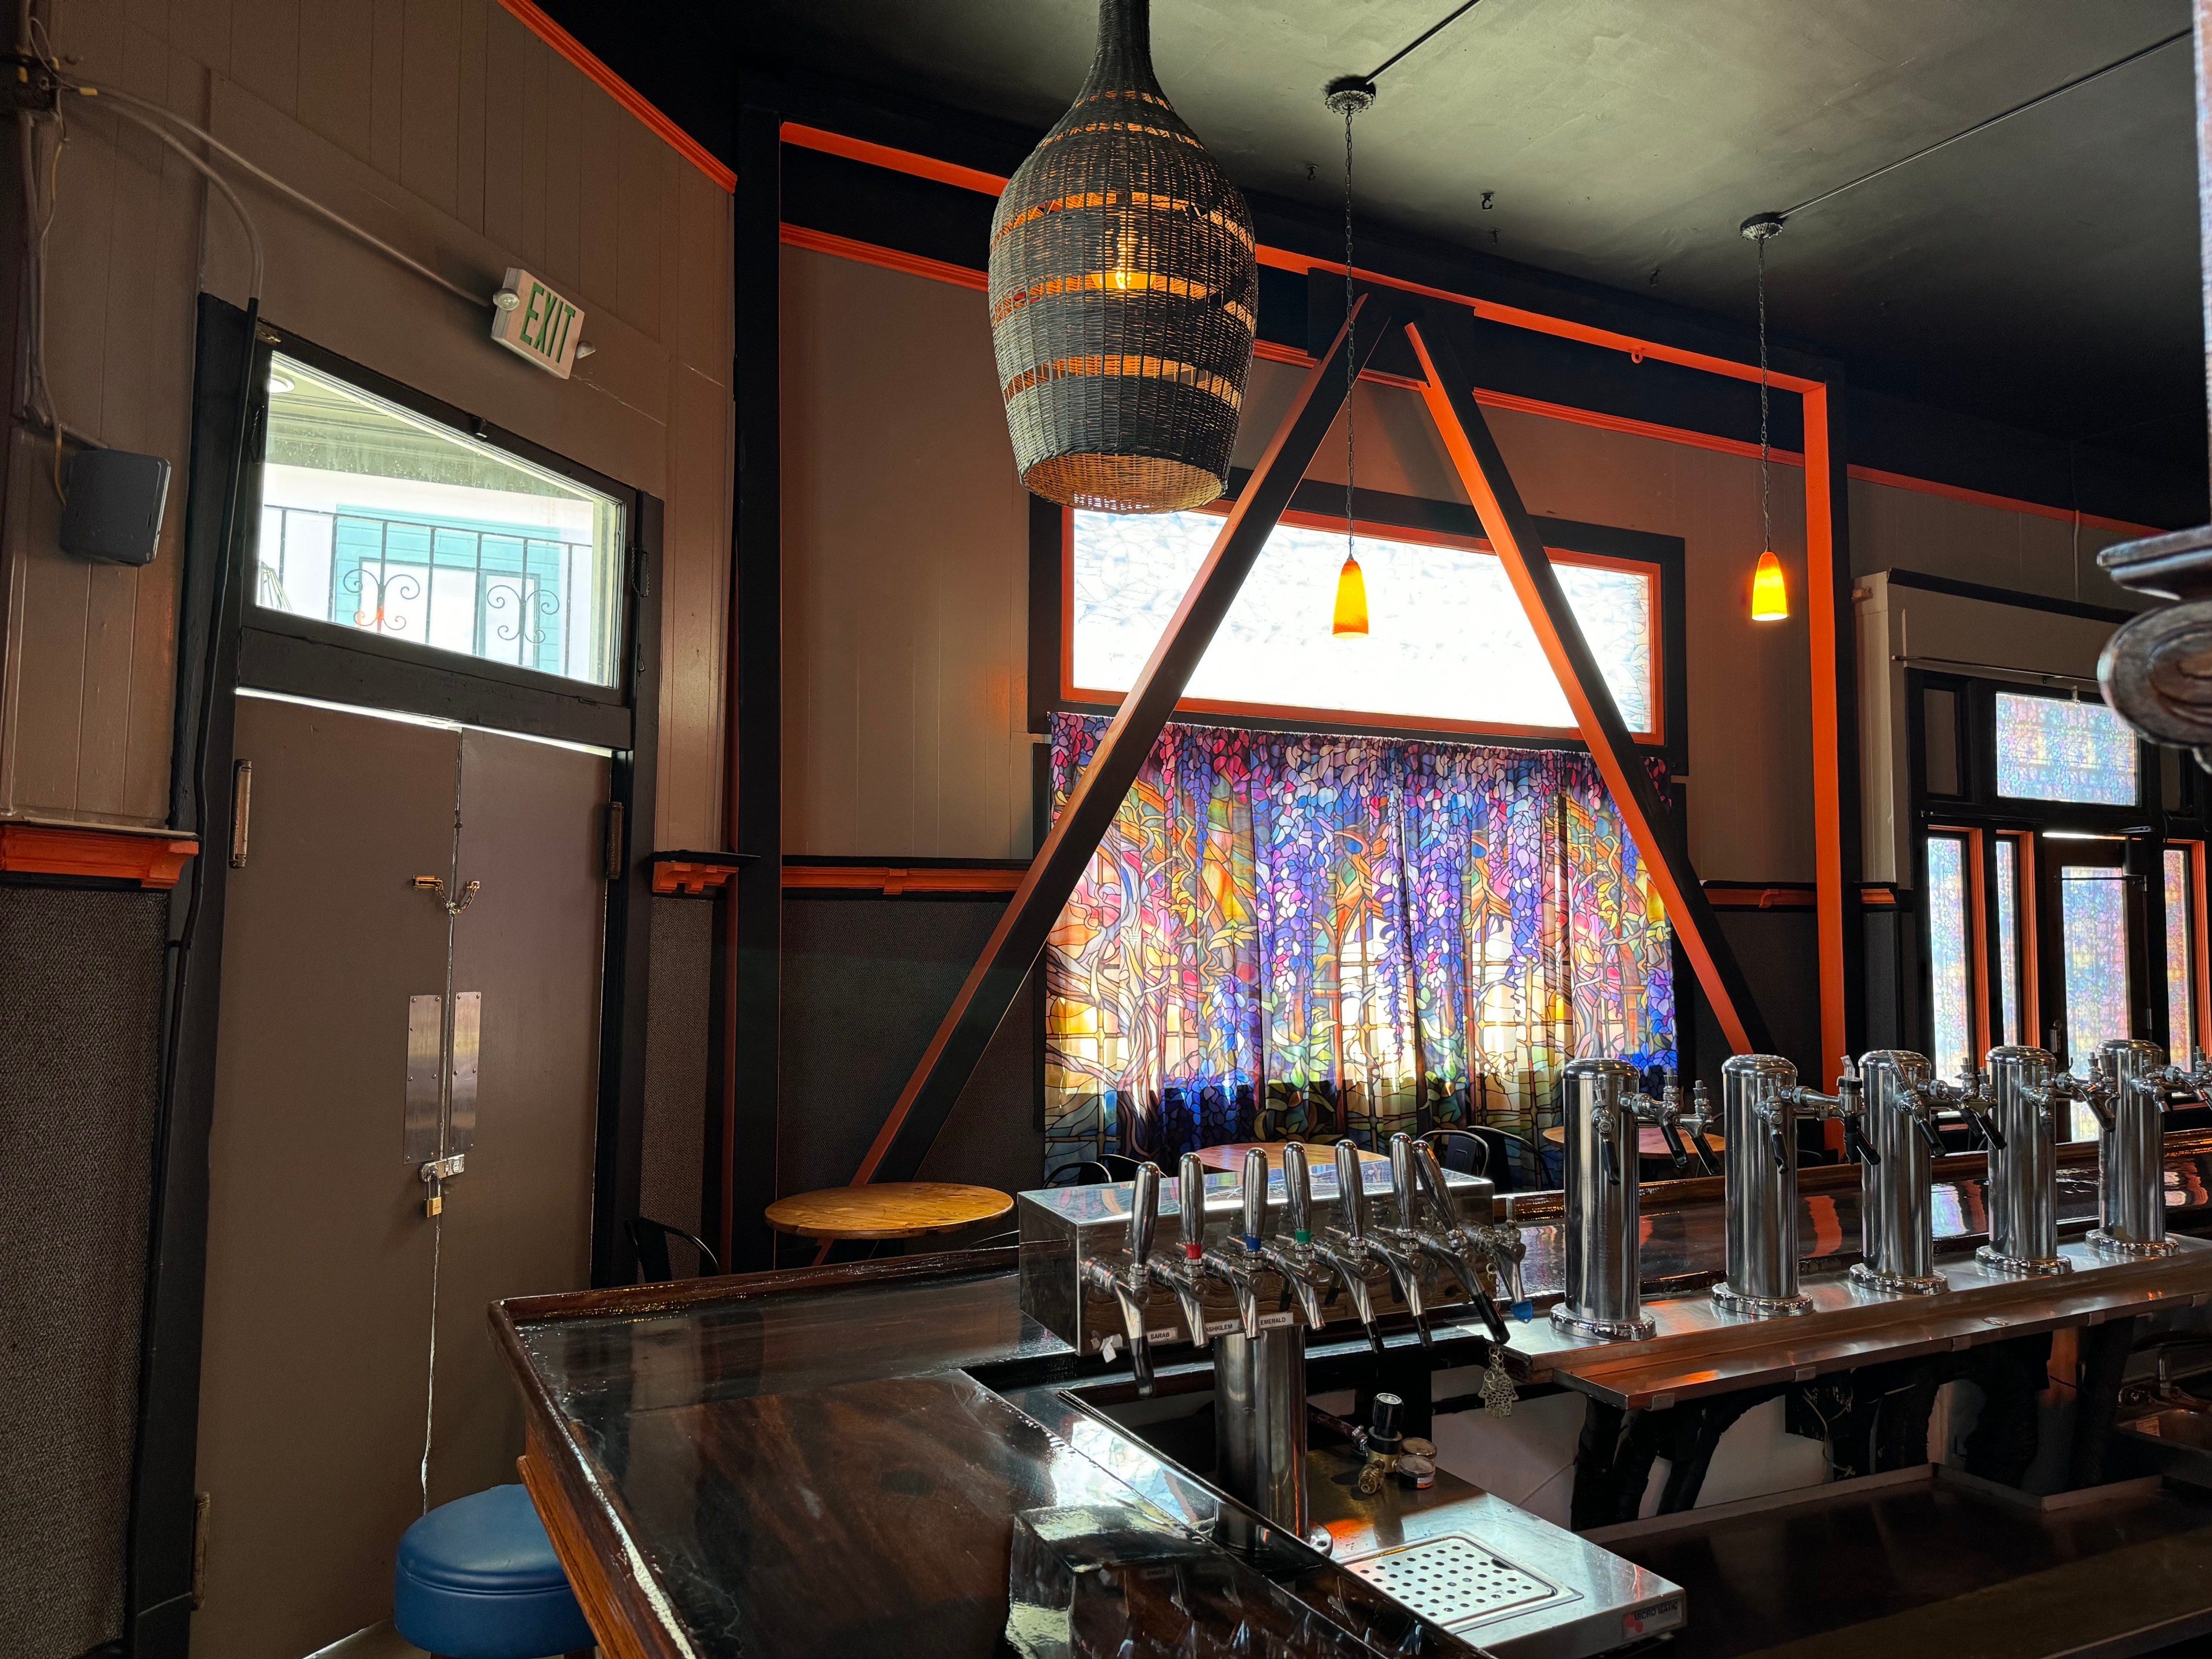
(440, 1122)
(435, 1174)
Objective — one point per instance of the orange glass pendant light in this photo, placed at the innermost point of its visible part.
(1348, 97)
(1351, 602)
(1770, 593)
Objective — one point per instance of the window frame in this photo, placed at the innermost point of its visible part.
(1390, 517)
(304, 656)
(2039, 830)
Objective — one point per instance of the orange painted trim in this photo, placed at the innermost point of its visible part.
(895, 882)
(1645, 834)
(1099, 698)
(154, 860)
(621, 91)
(2002, 503)
(1758, 898)
(676, 877)
(1821, 556)
(914, 165)
(869, 253)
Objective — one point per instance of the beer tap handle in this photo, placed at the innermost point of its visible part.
(1855, 1140)
(1986, 1127)
(1405, 1189)
(1351, 1191)
(1672, 1133)
(1190, 1194)
(1144, 1210)
(1611, 1160)
(1700, 1117)
(1434, 1182)
(1254, 1192)
(1928, 1132)
(1298, 1193)
(1779, 1145)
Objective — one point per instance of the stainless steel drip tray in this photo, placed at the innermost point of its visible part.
(1486, 1569)
(1456, 1581)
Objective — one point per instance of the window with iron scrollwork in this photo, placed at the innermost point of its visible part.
(378, 519)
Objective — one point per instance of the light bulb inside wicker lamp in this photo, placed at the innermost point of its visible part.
(1770, 593)
(1351, 621)
(1124, 283)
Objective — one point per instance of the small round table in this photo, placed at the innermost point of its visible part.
(887, 1209)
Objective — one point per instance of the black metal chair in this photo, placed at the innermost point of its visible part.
(649, 1238)
(1089, 1173)
(1480, 1149)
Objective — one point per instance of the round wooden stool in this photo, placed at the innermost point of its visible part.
(889, 1209)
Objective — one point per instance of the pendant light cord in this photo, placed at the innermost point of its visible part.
(1766, 518)
(1350, 357)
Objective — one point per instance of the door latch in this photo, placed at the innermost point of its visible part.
(435, 1174)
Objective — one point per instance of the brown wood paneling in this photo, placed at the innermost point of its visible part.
(565, 92)
(337, 93)
(430, 107)
(598, 195)
(264, 51)
(473, 127)
(201, 29)
(644, 218)
(694, 579)
(387, 67)
(513, 78)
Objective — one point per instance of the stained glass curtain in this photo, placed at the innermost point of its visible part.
(2010, 1024)
(1292, 935)
(1950, 976)
(2180, 957)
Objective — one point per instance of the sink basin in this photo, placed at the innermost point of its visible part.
(2177, 1426)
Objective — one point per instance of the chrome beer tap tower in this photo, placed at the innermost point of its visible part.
(1898, 1141)
(1090, 1273)
(1602, 1295)
(1761, 1105)
(2139, 1086)
(2026, 1089)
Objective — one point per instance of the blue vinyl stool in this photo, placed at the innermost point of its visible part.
(477, 1579)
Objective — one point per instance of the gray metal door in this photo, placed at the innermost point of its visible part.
(317, 1383)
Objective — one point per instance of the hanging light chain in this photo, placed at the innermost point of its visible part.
(1351, 358)
(1765, 452)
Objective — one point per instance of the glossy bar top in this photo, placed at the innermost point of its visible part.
(799, 1462)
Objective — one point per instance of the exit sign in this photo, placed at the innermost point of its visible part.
(532, 321)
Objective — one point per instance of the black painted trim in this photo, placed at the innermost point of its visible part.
(756, 1008)
(2012, 596)
(304, 657)
(158, 1573)
(1666, 554)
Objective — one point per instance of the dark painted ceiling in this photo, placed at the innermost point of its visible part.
(2042, 273)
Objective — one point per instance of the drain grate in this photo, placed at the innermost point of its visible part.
(1452, 1580)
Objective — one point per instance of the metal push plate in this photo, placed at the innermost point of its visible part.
(468, 1038)
(426, 1042)
(1453, 1581)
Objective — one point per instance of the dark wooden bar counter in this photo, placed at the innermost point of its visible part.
(806, 1462)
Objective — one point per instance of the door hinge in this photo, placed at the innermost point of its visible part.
(614, 840)
(640, 573)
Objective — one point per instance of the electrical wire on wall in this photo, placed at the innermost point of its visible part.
(39, 410)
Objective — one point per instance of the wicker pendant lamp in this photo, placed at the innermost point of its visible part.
(1123, 292)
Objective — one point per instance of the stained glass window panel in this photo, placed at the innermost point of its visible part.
(2008, 953)
(2180, 975)
(1449, 640)
(2093, 925)
(2054, 749)
(1949, 973)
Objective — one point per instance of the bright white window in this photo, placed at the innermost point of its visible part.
(1448, 644)
(377, 520)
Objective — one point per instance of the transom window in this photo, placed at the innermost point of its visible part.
(2058, 749)
(378, 519)
(1449, 647)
